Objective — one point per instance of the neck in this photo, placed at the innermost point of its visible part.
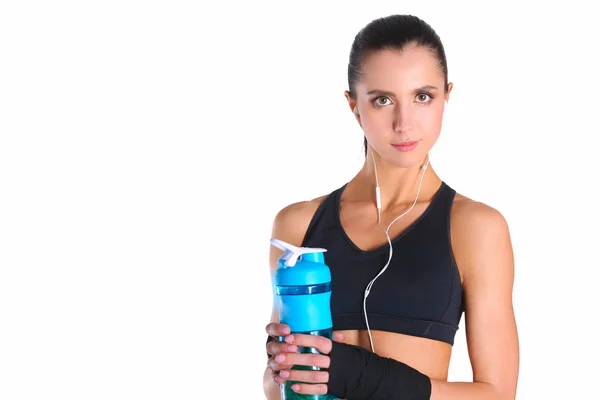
(398, 186)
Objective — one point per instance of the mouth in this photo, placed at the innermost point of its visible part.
(406, 146)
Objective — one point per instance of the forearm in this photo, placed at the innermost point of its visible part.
(270, 387)
(442, 390)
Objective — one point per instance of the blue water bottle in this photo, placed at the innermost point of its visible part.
(302, 286)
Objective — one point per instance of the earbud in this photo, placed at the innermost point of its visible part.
(356, 111)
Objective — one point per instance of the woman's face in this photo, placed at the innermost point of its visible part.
(400, 101)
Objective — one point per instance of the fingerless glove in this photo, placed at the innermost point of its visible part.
(357, 374)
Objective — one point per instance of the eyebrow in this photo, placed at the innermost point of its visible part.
(392, 94)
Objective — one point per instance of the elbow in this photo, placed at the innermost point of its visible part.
(502, 393)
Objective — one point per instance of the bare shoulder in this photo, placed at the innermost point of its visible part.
(477, 231)
(291, 222)
(469, 213)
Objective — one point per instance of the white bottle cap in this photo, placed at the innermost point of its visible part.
(292, 253)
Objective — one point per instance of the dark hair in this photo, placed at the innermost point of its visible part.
(393, 32)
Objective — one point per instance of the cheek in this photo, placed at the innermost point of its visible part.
(375, 127)
(430, 122)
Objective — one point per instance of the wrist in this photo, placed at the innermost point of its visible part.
(356, 373)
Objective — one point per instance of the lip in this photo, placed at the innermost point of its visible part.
(406, 146)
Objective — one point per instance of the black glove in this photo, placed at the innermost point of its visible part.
(359, 374)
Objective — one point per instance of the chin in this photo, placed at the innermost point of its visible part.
(406, 161)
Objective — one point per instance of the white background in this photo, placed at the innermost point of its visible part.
(145, 148)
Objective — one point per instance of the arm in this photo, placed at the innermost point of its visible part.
(483, 250)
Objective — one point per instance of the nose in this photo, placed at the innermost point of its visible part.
(403, 118)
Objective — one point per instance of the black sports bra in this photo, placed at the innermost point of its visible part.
(419, 294)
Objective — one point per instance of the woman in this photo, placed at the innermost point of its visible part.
(434, 253)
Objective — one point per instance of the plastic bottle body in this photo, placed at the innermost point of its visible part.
(310, 314)
(286, 388)
(302, 285)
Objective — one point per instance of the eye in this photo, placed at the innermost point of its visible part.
(378, 101)
(423, 98)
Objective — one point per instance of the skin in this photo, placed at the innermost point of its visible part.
(479, 234)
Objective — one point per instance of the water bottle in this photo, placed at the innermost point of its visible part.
(302, 287)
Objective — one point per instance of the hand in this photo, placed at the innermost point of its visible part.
(284, 355)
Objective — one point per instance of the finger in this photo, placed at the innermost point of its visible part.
(306, 359)
(276, 366)
(277, 329)
(275, 348)
(338, 336)
(278, 380)
(304, 376)
(321, 343)
(308, 388)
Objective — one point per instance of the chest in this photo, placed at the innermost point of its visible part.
(360, 225)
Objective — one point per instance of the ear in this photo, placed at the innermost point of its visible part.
(351, 102)
(447, 94)
(353, 106)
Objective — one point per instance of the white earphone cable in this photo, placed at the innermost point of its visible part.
(386, 232)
